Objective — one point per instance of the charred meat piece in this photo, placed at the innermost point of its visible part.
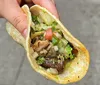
(75, 51)
(54, 63)
(49, 47)
(51, 53)
(33, 41)
(39, 45)
(43, 52)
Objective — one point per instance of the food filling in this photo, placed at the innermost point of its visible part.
(52, 49)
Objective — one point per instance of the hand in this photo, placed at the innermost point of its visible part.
(10, 9)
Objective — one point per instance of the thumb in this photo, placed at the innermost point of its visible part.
(16, 16)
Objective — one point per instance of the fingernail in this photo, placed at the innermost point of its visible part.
(25, 33)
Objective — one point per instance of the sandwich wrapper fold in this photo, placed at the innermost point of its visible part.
(74, 70)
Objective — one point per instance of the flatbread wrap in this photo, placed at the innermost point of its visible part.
(51, 49)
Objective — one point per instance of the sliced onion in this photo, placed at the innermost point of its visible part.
(56, 48)
(35, 55)
(57, 35)
(43, 51)
(52, 70)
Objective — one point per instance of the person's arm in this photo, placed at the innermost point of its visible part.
(11, 10)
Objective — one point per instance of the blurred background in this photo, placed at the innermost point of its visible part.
(82, 19)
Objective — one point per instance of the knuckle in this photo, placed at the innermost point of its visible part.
(17, 20)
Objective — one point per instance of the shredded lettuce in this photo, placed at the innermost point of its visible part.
(62, 50)
(38, 27)
(35, 19)
(44, 26)
(41, 27)
(46, 18)
(62, 43)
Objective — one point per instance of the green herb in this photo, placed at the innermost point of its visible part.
(40, 60)
(54, 24)
(42, 37)
(60, 32)
(71, 56)
(53, 28)
(68, 49)
(35, 19)
(66, 57)
(55, 41)
(61, 47)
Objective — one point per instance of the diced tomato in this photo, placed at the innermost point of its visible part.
(48, 34)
